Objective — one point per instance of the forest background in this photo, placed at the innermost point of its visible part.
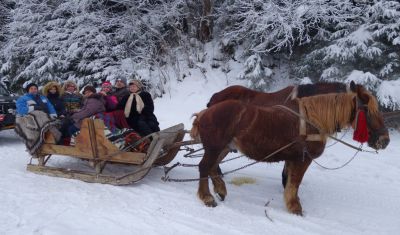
(260, 41)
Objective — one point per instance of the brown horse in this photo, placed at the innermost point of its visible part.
(258, 131)
(247, 95)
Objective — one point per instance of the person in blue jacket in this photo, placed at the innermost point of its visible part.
(32, 100)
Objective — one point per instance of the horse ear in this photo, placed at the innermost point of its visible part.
(353, 86)
(363, 96)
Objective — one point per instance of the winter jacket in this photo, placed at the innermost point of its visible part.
(120, 93)
(111, 102)
(29, 102)
(72, 101)
(91, 105)
(55, 99)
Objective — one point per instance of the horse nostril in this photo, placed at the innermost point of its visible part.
(385, 142)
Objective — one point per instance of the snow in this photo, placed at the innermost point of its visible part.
(360, 198)
(367, 79)
(388, 93)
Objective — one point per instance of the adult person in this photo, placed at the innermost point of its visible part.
(120, 89)
(138, 108)
(93, 103)
(111, 101)
(34, 112)
(71, 98)
(33, 101)
(52, 90)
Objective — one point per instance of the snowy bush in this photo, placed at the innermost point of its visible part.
(257, 75)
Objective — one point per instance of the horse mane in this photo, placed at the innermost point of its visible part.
(373, 106)
(194, 132)
(330, 111)
(318, 88)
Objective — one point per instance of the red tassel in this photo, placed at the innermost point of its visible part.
(361, 131)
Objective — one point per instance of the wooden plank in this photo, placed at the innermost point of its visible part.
(89, 177)
(170, 148)
(123, 157)
(145, 167)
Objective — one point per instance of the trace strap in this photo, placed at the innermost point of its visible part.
(168, 169)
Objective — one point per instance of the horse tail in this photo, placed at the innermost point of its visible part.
(194, 132)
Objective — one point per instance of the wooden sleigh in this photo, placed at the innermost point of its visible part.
(93, 146)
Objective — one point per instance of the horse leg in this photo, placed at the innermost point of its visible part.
(295, 172)
(216, 176)
(284, 176)
(208, 161)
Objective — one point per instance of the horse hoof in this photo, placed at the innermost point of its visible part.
(299, 213)
(211, 204)
(295, 208)
(221, 196)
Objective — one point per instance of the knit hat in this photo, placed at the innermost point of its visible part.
(30, 85)
(106, 84)
(136, 82)
(89, 88)
(122, 79)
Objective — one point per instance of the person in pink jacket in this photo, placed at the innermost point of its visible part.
(111, 100)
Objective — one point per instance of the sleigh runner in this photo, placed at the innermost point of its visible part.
(93, 146)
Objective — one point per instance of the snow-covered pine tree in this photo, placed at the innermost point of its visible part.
(280, 31)
(363, 48)
(90, 40)
(60, 40)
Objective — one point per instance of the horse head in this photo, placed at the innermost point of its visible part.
(378, 135)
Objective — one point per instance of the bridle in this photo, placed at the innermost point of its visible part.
(360, 106)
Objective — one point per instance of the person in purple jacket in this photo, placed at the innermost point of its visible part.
(93, 103)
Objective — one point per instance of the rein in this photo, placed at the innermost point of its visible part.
(305, 152)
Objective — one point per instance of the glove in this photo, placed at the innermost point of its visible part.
(53, 116)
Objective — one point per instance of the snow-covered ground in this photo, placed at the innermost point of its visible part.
(361, 198)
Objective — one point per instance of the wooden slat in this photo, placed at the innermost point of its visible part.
(145, 167)
(90, 177)
(171, 136)
(123, 157)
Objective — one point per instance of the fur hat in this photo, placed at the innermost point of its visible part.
(68, 83)
(29, 86)
(137, 83)
(49, 85)
(106, 84)
(89, 88)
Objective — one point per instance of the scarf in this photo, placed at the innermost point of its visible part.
(139, 104)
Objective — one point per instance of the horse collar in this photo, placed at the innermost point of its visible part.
(303, 126)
